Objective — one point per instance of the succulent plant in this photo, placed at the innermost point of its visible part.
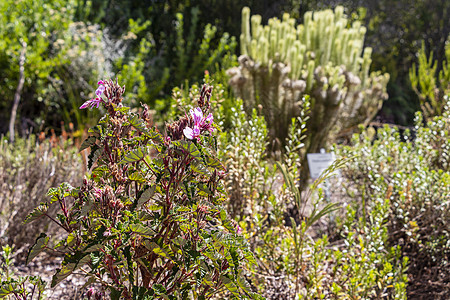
(325, 57)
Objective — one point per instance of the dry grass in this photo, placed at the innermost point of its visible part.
(28, 168)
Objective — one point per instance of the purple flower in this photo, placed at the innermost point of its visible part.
(209, 126)
(192, 133)
(96, 101)
(238, 229)
(100, 90)
(197, 115)
(91, 103)
(200, 124)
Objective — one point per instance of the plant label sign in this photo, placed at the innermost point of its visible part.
(318, 162)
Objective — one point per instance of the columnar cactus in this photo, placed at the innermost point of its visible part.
(324, 57)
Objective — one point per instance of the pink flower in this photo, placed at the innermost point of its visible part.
(100, 90)
(98, 193)
(192, 133)
(96, 101)
(200, 124)
(197, 115)
(91, 103)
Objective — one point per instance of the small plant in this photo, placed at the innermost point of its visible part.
(148, 221)
(22, 288)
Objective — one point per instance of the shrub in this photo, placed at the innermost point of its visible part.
(359, 263)
(294, 259)
(416, 171)
(148, 220)
(430, 86)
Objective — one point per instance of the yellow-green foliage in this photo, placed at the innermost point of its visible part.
(430, 87)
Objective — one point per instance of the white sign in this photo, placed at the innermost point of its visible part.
(318, 162)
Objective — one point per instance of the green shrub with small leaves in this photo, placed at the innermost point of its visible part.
(415, 168)
(294, 258)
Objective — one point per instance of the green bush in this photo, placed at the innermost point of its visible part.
(430, 86)
(294, 259)
(416, 171)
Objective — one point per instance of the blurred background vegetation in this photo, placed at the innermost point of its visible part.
(154, 46)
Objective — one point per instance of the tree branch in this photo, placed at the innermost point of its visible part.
(18, 91)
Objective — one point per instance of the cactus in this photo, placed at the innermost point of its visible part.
(431, 89)
(281, 62)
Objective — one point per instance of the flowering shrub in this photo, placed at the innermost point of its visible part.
(148, 220)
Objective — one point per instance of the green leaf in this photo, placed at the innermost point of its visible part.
(190, 147)
(68, 268)
(162, 251)
(243, 283)
(330, 207)
(137, 122)
(133, 156)
(198, 167)
(96, 151)
(159, 289)
(256, 296)
(127, 253)
(142, 230)
(330, 171)
(71, 239)
(226, 222)
(52, 192)
(288, 179)
(38, 247)
(96, 259)
(204, 187)
(6, 290)
(146, 195)
(62, 273)
(231, 287)
(100, 171)
(123, 109)
(88, 143)
(38, 212)
(137, 176)
(215, 163)
(96, 129)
